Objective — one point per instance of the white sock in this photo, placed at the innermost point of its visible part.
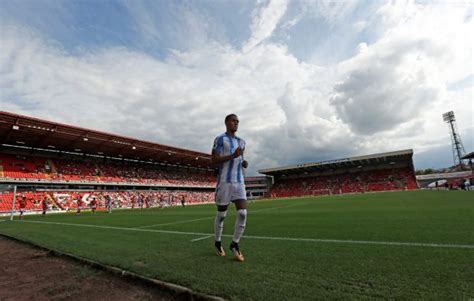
(219, 224)
(240, 222)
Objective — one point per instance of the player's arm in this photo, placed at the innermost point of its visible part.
(245, 164)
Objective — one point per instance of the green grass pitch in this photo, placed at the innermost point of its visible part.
(407, 245)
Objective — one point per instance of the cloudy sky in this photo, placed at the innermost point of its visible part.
(310, 80)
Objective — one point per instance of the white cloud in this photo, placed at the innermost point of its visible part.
(388, 84)
(333, 11)
(404, 74)
(265, 21)
(389, 96)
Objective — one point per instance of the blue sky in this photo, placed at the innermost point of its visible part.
(310, 80)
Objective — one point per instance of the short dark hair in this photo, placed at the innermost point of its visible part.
(229, 116)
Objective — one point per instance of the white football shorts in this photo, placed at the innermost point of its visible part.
(229, 192)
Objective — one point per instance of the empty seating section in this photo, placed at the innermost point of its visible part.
(194, 178)
(150, 174)
(121, 199)
(131, 173)
(23, 167)
(378, 180)
(29, 167)
(5, 201)
(75, 170)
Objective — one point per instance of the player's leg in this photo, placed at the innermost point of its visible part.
(219, 228)
(223, 195)
(239, 198)
(240, 223)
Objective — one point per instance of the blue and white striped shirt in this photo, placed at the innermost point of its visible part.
(230, 171)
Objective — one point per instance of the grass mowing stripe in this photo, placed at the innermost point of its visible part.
(212, 217)
(341, 241)
(280, 207)
(364, 242)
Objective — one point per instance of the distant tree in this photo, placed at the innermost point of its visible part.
(429, 171)
(425, 171)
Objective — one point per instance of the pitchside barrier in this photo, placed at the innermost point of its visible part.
(10, 196)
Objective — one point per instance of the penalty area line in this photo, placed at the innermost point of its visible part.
(316, 240)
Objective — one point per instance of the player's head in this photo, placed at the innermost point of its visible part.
(231, 123)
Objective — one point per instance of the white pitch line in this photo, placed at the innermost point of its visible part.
(201, 238)
(341, 241)
(212, 217)
(117, 228)
(175, 223)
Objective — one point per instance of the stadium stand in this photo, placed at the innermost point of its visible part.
(66, 163)
(378, 172)
(22, 167)
(30, 167)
